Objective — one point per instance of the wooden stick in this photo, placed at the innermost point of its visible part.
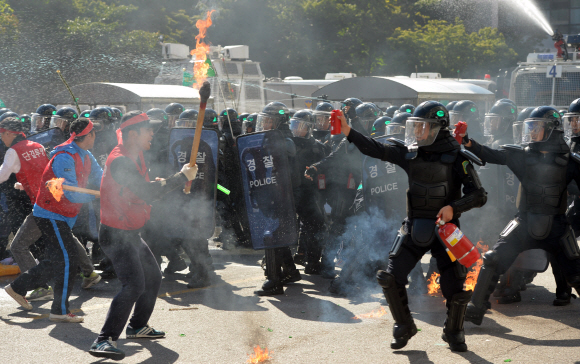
(81, 190)
(204, 93)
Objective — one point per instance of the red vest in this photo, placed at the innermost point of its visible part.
(121, 208)
(63, 207)
(33, 160)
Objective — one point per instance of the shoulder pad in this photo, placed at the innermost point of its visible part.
(471, 157)
(397, 142)
(575, 157)
(512, 147)
(290, 147)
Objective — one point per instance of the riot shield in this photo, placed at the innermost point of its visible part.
(267, 188)
(195, 213)
(48, 138)
(384, 186)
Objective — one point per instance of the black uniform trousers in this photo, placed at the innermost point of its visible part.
(518, 240)
(453, 274)
(138, 272)
(60, 262)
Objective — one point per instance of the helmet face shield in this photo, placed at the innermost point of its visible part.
(536, 130)
(58, 122)
(267, 122)
(395, 129)
(517, 131)
(37, 123)
(322, 120)
(492, 125)
(248, 127)
(171, 119)
(455, 117)
(301, 128)
(421, 132)
(183, 123)
(571, 125)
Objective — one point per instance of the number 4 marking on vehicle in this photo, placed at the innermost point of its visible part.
(554, 71)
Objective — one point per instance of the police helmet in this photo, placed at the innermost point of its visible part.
(187, 118)
(396, 128)
(540, 125)
(499, 119)
(407, 108)
(302, 124)
(272, 116)
(379, 126)
(210, 119)
(422, 128)
(391, 111)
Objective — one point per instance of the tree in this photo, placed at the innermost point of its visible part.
(448, 48)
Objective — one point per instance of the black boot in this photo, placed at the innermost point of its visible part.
(453, 328)
(273, 285)
(396, 296)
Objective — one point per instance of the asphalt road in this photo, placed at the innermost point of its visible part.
(222, 324)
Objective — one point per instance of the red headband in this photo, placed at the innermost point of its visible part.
(134, 120)
(74, 135)
(2, 130)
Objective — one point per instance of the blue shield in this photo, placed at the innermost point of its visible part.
(267, 185)
(48, 138)
(194, 213)
(384, 186)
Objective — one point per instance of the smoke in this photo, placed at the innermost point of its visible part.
(367, 241)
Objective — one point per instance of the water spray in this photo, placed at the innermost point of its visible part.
(536, 15)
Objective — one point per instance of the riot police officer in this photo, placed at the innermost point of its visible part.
(390, 112)
(229, 122)
(450, 105)
(341, 174)
(544, 167)
(249, 125)
(321, 115)
(407, 108)
(380, 126)
(173, 111)
(40, 120)
(437, 170)
(63, 118)
(187, 119)
(307, 199)
(467, 110)
(280, 267)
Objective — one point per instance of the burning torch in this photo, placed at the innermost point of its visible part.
(57, 188)
(204, 93)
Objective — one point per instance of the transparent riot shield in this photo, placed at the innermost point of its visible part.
(266, 180)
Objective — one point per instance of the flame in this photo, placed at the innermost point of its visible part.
(373, 314)
(201, 50)
(55, 187)
(433, 287)
(259, 355)
(474, 272)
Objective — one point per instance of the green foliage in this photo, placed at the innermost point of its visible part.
(447, 48)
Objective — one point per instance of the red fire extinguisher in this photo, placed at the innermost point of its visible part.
(458, 244)
(335, 128)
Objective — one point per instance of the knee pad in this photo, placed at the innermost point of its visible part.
(490, 258)
(386, 280)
